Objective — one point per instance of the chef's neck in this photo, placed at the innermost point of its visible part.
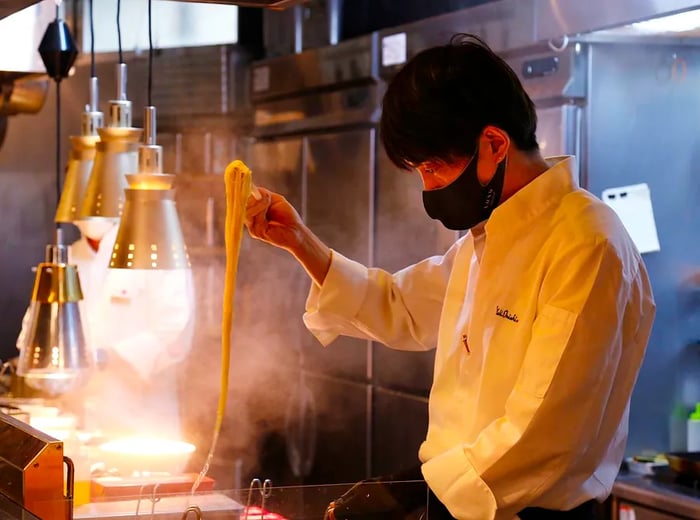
(523, 167)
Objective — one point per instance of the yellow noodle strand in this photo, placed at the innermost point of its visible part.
(238, 181)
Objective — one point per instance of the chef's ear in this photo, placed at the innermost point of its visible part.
(494, 144)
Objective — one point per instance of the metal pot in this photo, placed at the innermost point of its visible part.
(685, 463)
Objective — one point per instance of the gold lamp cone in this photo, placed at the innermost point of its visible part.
(78, 172)
(149, 235)
(54, 356)
(116, 154)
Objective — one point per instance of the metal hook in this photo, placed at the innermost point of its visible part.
(265, 489)
(153, 498)
(561, 47)
(265, 492)
(192, 509)
(255, 483)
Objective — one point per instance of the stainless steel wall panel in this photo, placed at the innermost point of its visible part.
(642, 128)
(338, 171)
(349, 62)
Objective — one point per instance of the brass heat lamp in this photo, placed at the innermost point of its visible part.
(149, 235)
(116, 154)
(54, 357)
(81, 160)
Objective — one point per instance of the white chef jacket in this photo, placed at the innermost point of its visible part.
(539, 342)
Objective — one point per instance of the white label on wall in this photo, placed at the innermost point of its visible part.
(633, 205)
(394, 49)
(261, 79)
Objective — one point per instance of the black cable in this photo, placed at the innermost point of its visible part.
(92, 43)
(58, 132)
(150, 55)
(58, 141)
(119, 30)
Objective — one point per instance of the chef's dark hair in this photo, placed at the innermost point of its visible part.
(438, 104)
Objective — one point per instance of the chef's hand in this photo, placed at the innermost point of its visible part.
(379, 499)
(271, 218)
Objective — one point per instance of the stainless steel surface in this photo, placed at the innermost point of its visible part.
(641, 128)
(31, 469)
(517, 24)
(552, 77)
(94, 96)
(557, 82)
(149, 235)
(149, 126)
(663, 498)
(9, 7)
(120, 107)
(121, 82)
(350, 62)
(356, 106)
(558, 17)
(199, 81)
(318, 89)
(559, 130)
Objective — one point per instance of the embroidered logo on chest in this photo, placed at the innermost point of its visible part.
(505, 313)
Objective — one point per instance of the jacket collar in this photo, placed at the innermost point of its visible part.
(535, 198)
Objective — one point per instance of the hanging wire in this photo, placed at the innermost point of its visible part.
(150, 55)
(58, 143)
(58, 129)
(119, 30)
(92, 42)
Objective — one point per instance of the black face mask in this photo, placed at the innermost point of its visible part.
(464, 202)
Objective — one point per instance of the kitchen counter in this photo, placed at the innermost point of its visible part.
(661, 496)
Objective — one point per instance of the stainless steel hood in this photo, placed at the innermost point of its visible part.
(9, 7)
(23, 79)
(267, 4)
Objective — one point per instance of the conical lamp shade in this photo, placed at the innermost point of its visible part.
(116, 154)
(149, 235)
(78, 171)
(54, 356)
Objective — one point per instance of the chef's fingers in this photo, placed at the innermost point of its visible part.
(256, 219)
(258, 197)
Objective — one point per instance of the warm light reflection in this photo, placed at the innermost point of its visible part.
(150, 182)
